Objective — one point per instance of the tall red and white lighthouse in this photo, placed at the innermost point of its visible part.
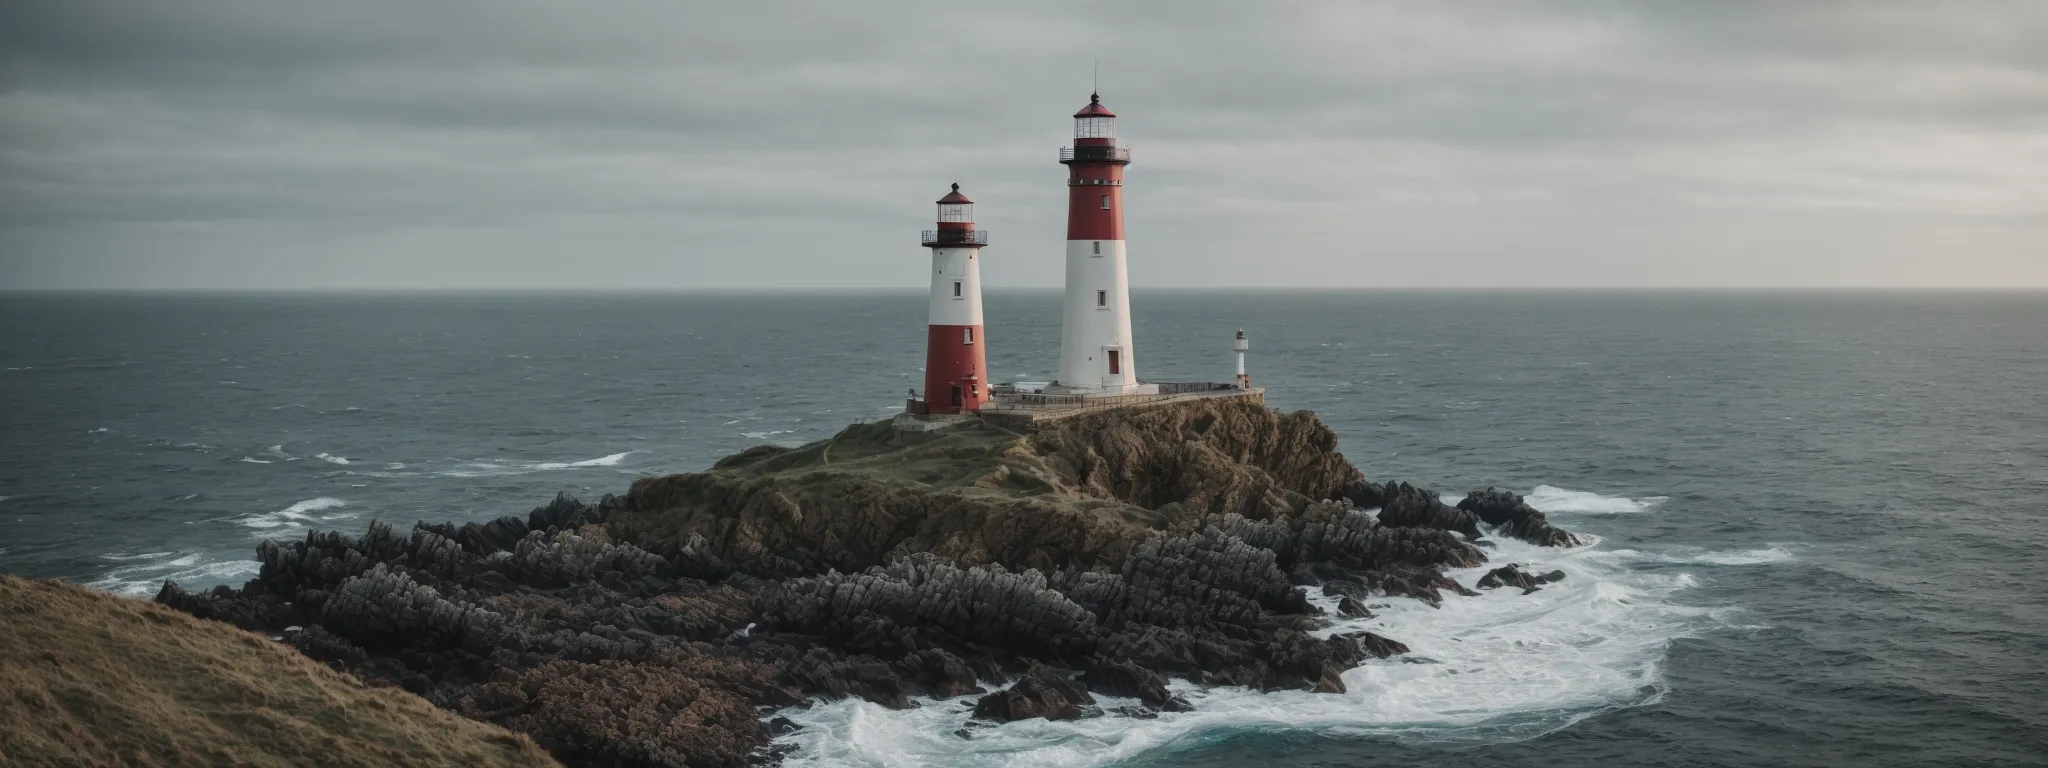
(1096, 355)
(955, 367)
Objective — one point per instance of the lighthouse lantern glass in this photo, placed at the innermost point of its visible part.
(1095, 127)
(956, 212)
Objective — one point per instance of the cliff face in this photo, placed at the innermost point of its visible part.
(1077, 493)
(1106, 553)
(92, 679)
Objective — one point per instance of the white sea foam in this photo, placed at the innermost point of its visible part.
(602, 461)
(1558, 501)
(332, 459)
(1501, 665)
(767, 434)
(290, 516)
(142, 556)
(496, 468)
(144, 579)
(1775, 553)
(247, 460)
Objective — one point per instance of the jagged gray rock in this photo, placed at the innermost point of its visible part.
(1512, 516)
(1041, 692)
(1406, 506)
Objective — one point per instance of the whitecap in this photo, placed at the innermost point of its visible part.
(767, 434)
(142, 556)
(1774, 553)
(97, 431)
(331, 459)
(1558, 501)
(496, 468)
(247, 460)
(1507, 665)
(289, 516)
(601, 461)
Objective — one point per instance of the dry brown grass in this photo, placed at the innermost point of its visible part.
(89, 679)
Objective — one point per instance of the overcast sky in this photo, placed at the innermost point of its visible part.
(697, 144)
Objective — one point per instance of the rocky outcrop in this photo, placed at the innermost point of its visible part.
(684, 706)
(1511, 516)
(1040, 692)
(1111, 553)
(1406, 506)
(1512, 575)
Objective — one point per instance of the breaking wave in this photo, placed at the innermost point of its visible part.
(1558, 501)
(496, 468)
(292, 519)
(1775, 553)
(1498, 666)
(145, 578)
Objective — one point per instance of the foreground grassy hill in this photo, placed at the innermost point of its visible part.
(92, 679)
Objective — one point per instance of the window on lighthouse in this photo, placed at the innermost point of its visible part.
(1105, 202)
(956, 289)
(1098, 247)
(1102, 298)
(967, 335)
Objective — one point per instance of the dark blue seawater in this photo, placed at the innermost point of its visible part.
(1820, 514)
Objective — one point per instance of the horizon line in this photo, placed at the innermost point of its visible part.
(680, 291)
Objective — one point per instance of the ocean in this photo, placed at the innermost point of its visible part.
(1819, 515)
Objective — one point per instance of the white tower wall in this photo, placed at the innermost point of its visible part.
(1097, 321)
(950, 265)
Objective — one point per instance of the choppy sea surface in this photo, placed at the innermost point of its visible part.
(1820, 516)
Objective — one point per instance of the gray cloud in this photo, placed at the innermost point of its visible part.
(518, 143)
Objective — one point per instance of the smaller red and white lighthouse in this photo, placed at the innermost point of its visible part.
(955, 365)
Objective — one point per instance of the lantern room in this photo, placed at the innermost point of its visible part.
(1095, 121)
(955, 208)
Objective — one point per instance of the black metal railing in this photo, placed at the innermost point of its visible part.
(1098, 154)
(944, 237)
(1184, 387)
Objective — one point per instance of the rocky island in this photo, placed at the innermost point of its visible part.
(1103, 554)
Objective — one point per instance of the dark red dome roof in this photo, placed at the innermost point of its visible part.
(1095, 108)
(954, 197)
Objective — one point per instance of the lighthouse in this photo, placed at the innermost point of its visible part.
(1096, 355)
(955, 365)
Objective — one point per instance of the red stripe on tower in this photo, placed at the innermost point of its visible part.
(1095, 175)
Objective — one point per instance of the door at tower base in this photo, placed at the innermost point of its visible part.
(953, 360)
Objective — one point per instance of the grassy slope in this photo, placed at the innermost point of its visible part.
(92, 679)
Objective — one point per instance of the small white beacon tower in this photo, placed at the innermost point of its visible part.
(1240, 346)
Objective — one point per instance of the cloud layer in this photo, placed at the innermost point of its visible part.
(530, 144)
